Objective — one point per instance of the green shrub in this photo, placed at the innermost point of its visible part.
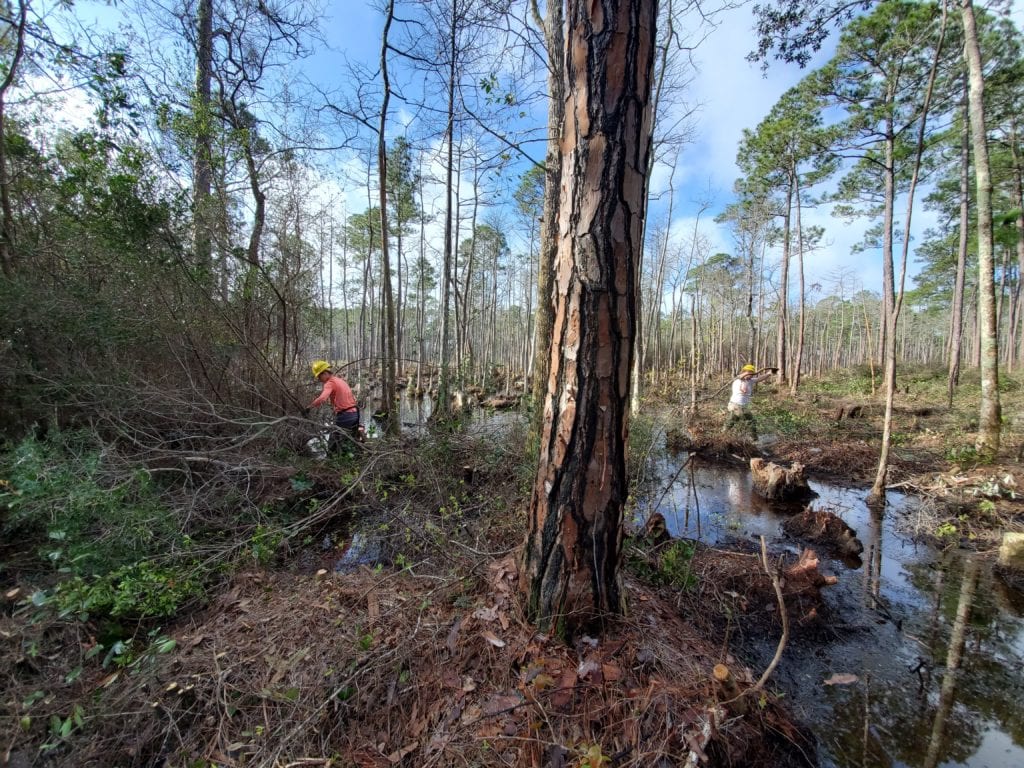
(677, 564)
(776, 419)
(85, 519)
(139, 591)
(672, 566)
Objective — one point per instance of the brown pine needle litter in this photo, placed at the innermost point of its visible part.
(380, 669)
(425, 660)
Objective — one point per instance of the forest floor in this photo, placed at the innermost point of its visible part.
(300, 653)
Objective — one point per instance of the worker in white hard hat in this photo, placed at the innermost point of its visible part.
(743, 387)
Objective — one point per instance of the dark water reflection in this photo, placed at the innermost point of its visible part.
(416, 411)
(892, 622)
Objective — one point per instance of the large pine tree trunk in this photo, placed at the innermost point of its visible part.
(888, 341)
(442, 406)
(956, 323)
(989, 417)
(798, 357)
(570, 560)
(392, 420)
(783, 319)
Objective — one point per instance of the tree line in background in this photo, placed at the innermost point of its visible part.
(193, 232)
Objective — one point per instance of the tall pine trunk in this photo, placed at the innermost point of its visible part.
(392, 421)
(956, 324)
(569, 568)
(989, 416)
(554, 41)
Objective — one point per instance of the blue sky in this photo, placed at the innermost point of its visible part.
(730, 93)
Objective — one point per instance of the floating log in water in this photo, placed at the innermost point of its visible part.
(776, 483)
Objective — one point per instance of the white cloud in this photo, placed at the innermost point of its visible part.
(735, 94)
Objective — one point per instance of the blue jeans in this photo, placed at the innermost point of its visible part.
(344, 420)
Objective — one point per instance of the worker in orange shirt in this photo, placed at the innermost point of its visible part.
(346, 412)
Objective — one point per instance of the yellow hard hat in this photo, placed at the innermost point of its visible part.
(748, 368)
(319, 366)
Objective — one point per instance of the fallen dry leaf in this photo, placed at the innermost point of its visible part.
(497, 704)
(398, 754)
(612, 672)
(493, 639)
(566, 684)
(842, 678)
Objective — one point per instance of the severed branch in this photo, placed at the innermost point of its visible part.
(774, 576)
(725, 682)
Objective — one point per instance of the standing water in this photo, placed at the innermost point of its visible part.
(892, 624)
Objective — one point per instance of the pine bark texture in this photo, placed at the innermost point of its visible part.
(570, 560)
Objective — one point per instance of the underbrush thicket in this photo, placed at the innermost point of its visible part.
(420, 656)
(109, 536)
(103, 550)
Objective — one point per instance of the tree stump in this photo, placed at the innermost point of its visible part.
(729, 690)
(656, 530)
(776, 483)
(827, 529)
(804, 573)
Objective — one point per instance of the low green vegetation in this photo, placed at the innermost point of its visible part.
(85, 519)
(668, 565)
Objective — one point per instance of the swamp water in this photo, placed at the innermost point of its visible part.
(889, 622)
